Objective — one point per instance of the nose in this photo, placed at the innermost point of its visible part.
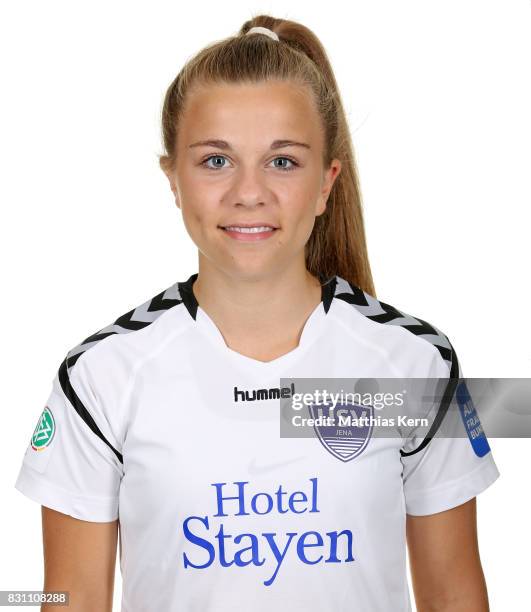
(249, 187)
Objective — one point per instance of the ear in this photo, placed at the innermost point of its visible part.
(330, 176)
(173, 187)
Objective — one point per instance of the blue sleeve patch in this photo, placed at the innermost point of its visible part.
(470, 417)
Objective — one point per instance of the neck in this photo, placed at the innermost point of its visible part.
(263, 309)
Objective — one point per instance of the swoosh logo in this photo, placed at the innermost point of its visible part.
(261, 469)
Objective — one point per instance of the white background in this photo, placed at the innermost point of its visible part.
(438, 98)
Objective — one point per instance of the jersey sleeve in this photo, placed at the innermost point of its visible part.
(73, 463)
(456, 463)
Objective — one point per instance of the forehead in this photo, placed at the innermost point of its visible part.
(266, 110)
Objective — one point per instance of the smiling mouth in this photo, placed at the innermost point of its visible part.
(249, 233)
(254, 229)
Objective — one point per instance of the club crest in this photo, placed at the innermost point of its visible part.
(344, 430)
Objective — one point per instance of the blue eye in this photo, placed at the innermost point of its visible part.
(204, 163)
(291, 161)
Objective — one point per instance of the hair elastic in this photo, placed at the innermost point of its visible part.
(262, 30)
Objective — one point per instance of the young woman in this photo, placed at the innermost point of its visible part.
(166, 422)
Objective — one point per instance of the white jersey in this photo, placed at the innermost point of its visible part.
(155, 421)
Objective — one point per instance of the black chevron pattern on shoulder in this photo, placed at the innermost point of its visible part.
(380, 312)
(136, 319)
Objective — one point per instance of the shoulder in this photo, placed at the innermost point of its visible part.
(421, 348)
(129, 336)
(94, 375)
(404, 337)
(109, 355)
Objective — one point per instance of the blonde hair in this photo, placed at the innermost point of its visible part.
(337, 244)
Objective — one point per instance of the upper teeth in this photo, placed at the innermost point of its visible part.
(249, 230)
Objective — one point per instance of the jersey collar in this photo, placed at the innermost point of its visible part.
(188, 298)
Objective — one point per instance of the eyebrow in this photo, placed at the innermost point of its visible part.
(223, 144)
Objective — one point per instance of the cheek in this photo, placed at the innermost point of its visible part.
(196, 218)
(195, 196)
(195, 203)
(298, 226)
(301, 207)
(304, 195)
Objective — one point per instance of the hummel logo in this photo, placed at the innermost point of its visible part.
(260, 469)
(258, 395)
